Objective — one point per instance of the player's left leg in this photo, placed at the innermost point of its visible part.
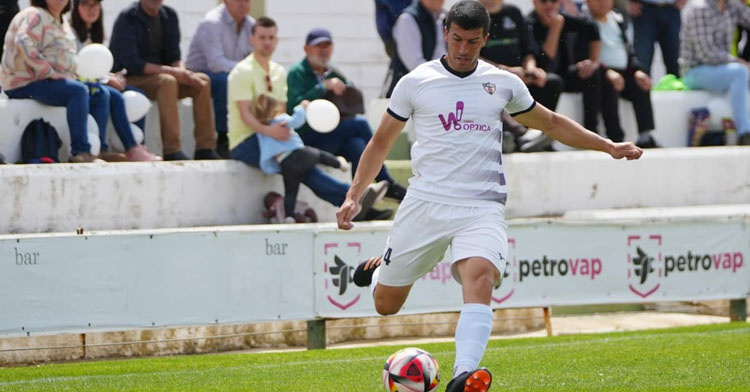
(478, 276)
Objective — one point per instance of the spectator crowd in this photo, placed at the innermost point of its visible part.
(601, 48)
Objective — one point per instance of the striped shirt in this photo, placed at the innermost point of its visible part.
(457, 158)
(707, 33)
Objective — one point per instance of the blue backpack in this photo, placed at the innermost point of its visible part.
(40, 143)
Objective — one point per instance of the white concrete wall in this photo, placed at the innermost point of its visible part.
(63, 197)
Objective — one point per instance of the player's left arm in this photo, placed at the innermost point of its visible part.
(567, 131)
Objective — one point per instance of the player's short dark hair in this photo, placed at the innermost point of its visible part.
(263, 21)
(469, 15)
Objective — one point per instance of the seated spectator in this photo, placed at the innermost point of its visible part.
(8, 9)
(86, 20)
(288, 156)
(624, 76)
(314, 78)
(657, 21)
(386, 12)
(39, 63)
(556, 35)
(707, 64)
(146, 43)
(258, 75)
(419, 37)
(511, 47)
(221, 40)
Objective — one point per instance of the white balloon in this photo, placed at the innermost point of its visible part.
(92, 132)
(136, 105)
(94, 61)
(116, 144)
(322, 115)
(137, 133)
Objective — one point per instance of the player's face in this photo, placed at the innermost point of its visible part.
(463, 46)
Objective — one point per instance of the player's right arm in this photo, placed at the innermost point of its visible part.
(567, 131)
(369, 165)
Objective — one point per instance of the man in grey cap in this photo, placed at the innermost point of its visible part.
(314, 78)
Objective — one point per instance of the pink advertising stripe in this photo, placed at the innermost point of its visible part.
(644, 295)
(343, 306)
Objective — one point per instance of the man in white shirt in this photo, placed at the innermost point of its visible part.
(457, 195)
(624, 76)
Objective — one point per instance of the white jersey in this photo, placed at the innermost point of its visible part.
(457, 157)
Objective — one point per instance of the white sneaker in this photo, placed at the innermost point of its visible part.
(373, 194)
(534, 140)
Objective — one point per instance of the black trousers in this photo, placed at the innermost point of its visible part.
(549, 94)
(592, 94)
(641, 100)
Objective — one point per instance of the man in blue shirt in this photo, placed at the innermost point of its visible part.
(221, 40)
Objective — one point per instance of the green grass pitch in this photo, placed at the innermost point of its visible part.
(703, 358)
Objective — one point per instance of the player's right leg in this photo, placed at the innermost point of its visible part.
(388, 299)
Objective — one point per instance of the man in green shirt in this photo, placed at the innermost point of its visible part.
(314, 78)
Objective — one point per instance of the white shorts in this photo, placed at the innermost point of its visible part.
(422, 232)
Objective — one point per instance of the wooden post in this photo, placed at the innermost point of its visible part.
(316, 334)
(82, 342)
(738, 309)
(548, 321)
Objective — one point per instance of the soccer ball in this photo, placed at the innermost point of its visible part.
(411, 370)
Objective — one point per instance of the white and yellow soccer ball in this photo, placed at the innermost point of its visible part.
(411, 370)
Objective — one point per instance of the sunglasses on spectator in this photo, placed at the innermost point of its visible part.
(269, 85)
(548, 1)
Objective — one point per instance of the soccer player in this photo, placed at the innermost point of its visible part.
(458, 191)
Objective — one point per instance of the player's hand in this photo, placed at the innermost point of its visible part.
(643, 80)
(279, 131)
(617, 81)
(346, 213)
(626, 150)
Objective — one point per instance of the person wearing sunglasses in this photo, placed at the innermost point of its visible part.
(570, 47)
(511, 47)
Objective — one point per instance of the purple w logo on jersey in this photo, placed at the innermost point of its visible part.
(453, 118)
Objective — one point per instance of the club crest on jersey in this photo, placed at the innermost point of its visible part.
(489, 87)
